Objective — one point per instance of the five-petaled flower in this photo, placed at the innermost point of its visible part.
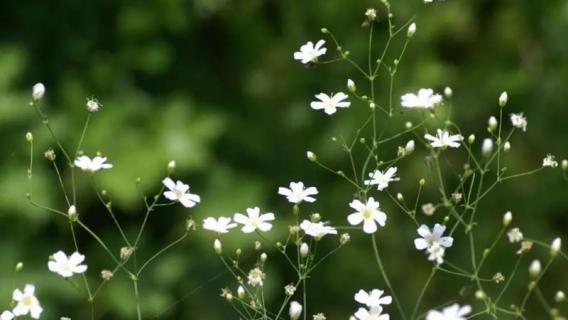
(179, 191)
(443, 139)
(373, 298)
(433, 241)
(67, 266)
(6, 315)
(256, 277)
(26, 302)
(317, 229)
(329, 104)
(453, 312)
(371, 314)
(424, 99)
(309, 53)
(382, 178)
(369, 213)
(254, 220)
(219, 225)
(298, 193)
(92, 165)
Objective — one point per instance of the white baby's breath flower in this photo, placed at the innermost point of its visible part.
(367, 213)
(93, 105)
(310, 53)
(433, 242)
(298, 193)
(179, 191)
(6, 315)
(371, 14)
(382, 178)
(26, 302)
(428, 209)
(443, 139)
(254, 220)
(67, 266)
(38, 91)
(371, 314)
(92, 165)
(453, 312)
(317, 229)
(373, 298)
(256, 277)
(519, 121)
(549, 161)
(219, 225)
(295, 310)
(515, 235)
(329, 104)
(424, 99)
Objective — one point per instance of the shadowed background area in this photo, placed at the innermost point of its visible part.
(212, 84)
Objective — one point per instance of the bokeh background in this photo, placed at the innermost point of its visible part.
(212, 84)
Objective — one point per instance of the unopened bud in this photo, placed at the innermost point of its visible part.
(448, 92)
(503, 98)
(422, 182)
(19, 266)
(507, 218)
(295, 310)
(304, 250)
(72, 213)
(171, 166)
(38, 91)
(507, 146)
(311, 156)
(351, 86)
(411, 30)
(408, 125)
(471, 139)
(409, 147)
(480, 294)
(559, 296)
(492, 123)
(263, 257)
(217, 247)
(535, 268)
(241, 292)
(399, 196)
(487, 147)
(29, 137)
(555, 247)
(564, 164)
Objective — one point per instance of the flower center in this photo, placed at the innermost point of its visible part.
(367, 214)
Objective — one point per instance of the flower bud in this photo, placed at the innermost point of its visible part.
(492, 123)
(72, 213)
(480, 294)
(217, 246)
(241, 292)
(448, 92)
(507, 146)
(29, 137)
(126, 252)
(351, 85)
(171, 166)
(263, 257)
(487, 147)
(38, 91)
(409, 147)
(371, 14)
(304, 250)
(399, 196)
(555, 247)
(503, 98)
(411, 30)
(106, 275)
(50, 155)
(422, 182)
(295, 310)
(19, 266)
(344, 238)
(564, 164)
(471, 139)
(507, 218)
(311, 156)
(559, 296)
(408, 125)
(535, 268)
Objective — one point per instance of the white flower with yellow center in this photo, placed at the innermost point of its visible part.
(310, 53)
(329, 104)
(443, 139)
(254, 220)
(67, 266)
(92, 165)
(179, 192)
(256, 277)
(298, 193)
(433, 242)
(367, 213)
(26, 302)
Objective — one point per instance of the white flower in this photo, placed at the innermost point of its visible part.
(372, 314)
(179, 191)
(373, 298)
(38, 90)
(295, 310)
(549, 162)
(411, 30)
(254, 220)
(220, 225)
(371, 14)
(368, 213)
(443, 139)
(519, 121)
(93, 105)
(7, 315)
(297, 193)
(382, 179)
(433, 241)
(26, 302)
(67, 266)
(453, 312)
(329, 104)
(428, 209)
(316, 229)
(515, 235)
(425, 99)
(256, 277)
(97, 163)
(310, 53)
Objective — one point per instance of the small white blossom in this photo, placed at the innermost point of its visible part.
(295, 310)
(310, 53)
(256, 277)
(371, 14)
(220, 225)
(298, 193)
(92, 165)
(382, 178)
(515, 235)
(38, 91)
(549, 161)
(371, 314)
(519, 121)
(179, 192)
(6, 315)
(367, 213)
(317, 229)
(26, 302)
(329, 104)
(67, 266)
(443, 139)
(425, 99)
(433, 241)
(453, 312)
(373, 298)
(254, 220)
(93, 105)
(428, 209)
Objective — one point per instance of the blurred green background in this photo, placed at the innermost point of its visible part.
(212, 84)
